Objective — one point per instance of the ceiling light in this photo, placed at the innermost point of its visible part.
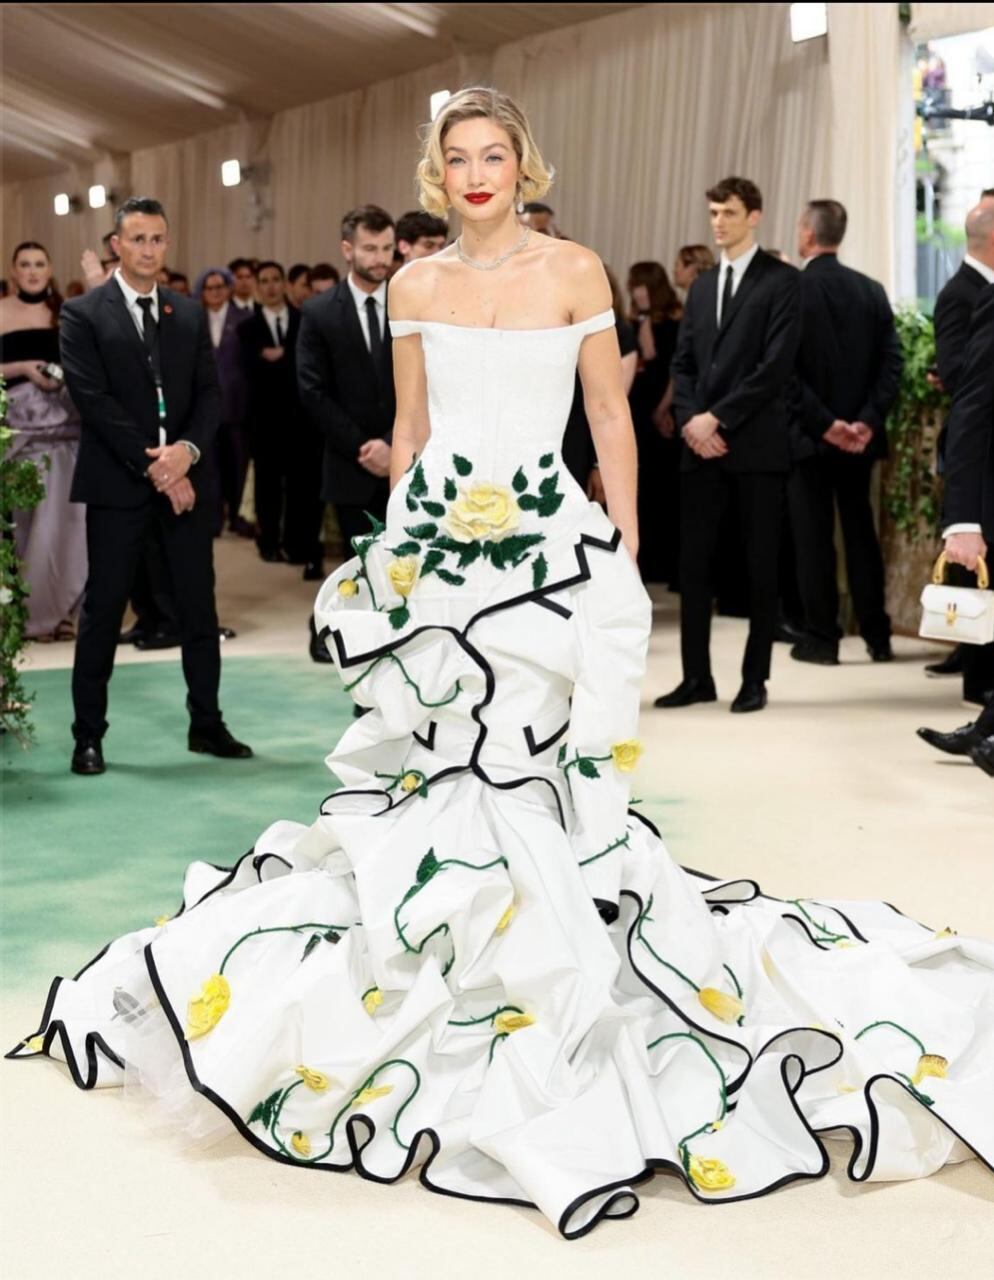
(807, 21)
(98, 196)
(62, 204)
(231, 173)
(438, 101)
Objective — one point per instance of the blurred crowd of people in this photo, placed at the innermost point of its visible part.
(302, 357)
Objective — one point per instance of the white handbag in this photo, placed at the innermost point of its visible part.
(964, 615)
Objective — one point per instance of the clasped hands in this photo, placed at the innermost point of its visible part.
(375, 457)
(850, 437)
(168, 474)
(701, 435)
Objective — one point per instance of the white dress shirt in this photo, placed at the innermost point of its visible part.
(216, 321)
(283, 316)
(380, 298)
(131, 297)
(739, 268)
(988, 273)
(243, 304)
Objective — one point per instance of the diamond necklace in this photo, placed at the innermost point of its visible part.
(491, 266)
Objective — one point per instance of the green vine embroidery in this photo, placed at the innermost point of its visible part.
(929, 1064)
(824, 933)
(428, 868)
(617, 844)
(329, 933)
(392, 657)
(709, 1175)
(727, 1008)
(409, 781)
(267, 1113)
(507, 1019)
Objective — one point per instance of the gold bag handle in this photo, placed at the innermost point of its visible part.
(939, 572)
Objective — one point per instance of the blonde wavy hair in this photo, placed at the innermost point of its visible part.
(535, 177)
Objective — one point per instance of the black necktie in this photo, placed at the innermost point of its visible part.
(150, 336)
(280, 335)
(375, 341)
(726, 293)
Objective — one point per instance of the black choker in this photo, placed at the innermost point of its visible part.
(34, 297)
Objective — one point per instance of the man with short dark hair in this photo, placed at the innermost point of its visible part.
(734, 360)
(848, 369)
(540, 217)
(323, 277)
(140, 369)
(179, 283)
(243, 294)
(345, 369)
(420, 234)
(298, 280)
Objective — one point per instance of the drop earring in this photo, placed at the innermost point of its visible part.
(520, 206)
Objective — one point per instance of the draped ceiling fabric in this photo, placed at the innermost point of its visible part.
(639, 112)
(932, 21)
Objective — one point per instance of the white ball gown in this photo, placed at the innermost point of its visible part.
(479, 961)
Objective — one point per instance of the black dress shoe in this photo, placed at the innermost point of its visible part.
(132, 635)
(319, 650)
(822, 652)
(951, 665)
(226, 633)
(687, 693)
(788, 632)
(88, 757)
(751, 697)
(958, 743)
(314, 571)
(983, 756)
(977, 697)
(218, 742)
(243, 528)
(880, 651)
(272, 557)
(158, 640)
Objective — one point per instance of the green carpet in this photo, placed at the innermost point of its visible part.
(83, 860)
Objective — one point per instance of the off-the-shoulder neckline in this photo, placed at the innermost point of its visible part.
(482, 328)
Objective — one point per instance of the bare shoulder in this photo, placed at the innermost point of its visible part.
(579, 275)
(413, 287)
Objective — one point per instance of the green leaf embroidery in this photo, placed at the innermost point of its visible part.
(421, 531)
(408, 549)
(520, 481)
(549, 506)
(540, 570)
(399, 616)
(433, 508)
(412, 503)
(469, 552)
(548, 485)
(263, 1112)
(377, 526)
(461, 464)
(419, 485)
(312, 942)
(562, 754)
(431, 562)
(453, 579)
(512, 550)
(528, 502)
(450, 489)
(427, 867)
(588, 768)
(546, 460)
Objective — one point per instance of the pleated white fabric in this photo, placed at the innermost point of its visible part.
(479, 960)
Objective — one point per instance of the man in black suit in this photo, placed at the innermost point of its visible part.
(345, 369)
(734, 360)
(139, 367)
(968, 510)
(848, 369)
(286, 450)
(954, 309)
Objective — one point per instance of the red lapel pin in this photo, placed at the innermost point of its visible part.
(168, 309)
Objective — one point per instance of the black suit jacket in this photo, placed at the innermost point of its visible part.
(111, 383)
(849, 359)
(969, 495)
(954, 309)
(742, 371)
(274, 401)
(347, 399)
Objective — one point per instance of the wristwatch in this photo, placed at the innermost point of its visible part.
(193, 451)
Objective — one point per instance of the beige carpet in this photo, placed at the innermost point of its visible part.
(827, 793)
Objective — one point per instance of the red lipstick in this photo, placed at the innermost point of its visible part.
(479, 197)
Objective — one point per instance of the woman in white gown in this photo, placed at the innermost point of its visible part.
(479, 960)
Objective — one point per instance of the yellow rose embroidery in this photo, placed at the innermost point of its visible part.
(205, 1011)
(403, 573)
(930, 1064)
(347, 588)
(372, 1000)
(161, 920)
(505, 1023)
(315, 1080)
(946, 933)
(301, 1143)
(724, 1006)
(35, 1044)
(626, 755)
(483, 511)
(371, 1094)
(710, 1175)
(506, 919)
(410, 782)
